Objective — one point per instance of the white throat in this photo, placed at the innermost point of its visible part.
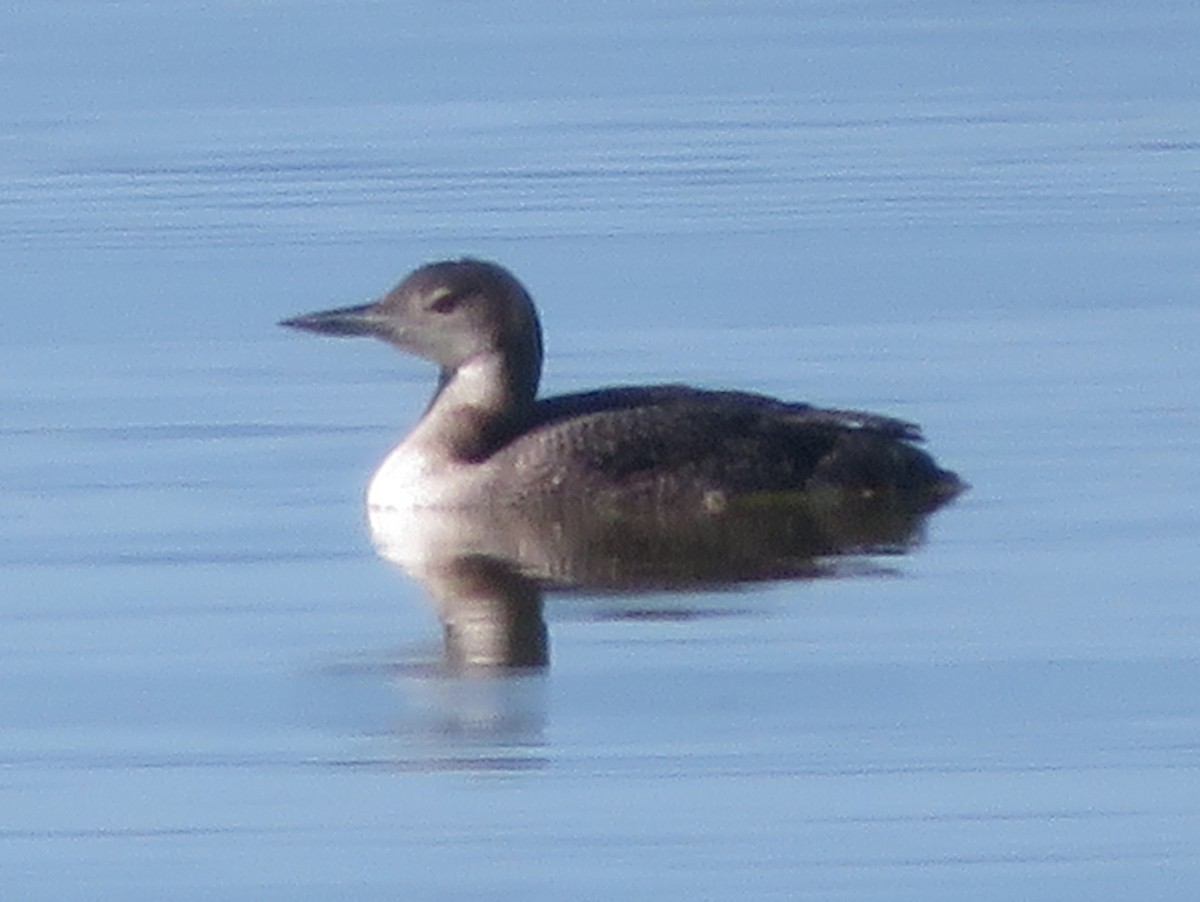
(427, 469)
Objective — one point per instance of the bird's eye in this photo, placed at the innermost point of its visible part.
(444, 301)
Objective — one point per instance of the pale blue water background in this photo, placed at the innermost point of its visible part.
(984, 219)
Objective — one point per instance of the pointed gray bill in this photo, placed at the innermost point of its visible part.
(360, 320)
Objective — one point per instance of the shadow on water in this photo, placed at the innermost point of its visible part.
(488, 570)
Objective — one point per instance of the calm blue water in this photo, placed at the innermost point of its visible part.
(982, 220)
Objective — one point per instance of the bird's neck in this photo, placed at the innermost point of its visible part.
(476, 407)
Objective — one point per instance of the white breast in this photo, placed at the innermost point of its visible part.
(407, 478)
(411, 477)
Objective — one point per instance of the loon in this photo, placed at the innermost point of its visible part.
(485, 438)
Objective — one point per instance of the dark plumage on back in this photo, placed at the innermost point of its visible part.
(683, 442)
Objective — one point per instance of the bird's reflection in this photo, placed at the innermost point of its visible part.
(487, 569)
